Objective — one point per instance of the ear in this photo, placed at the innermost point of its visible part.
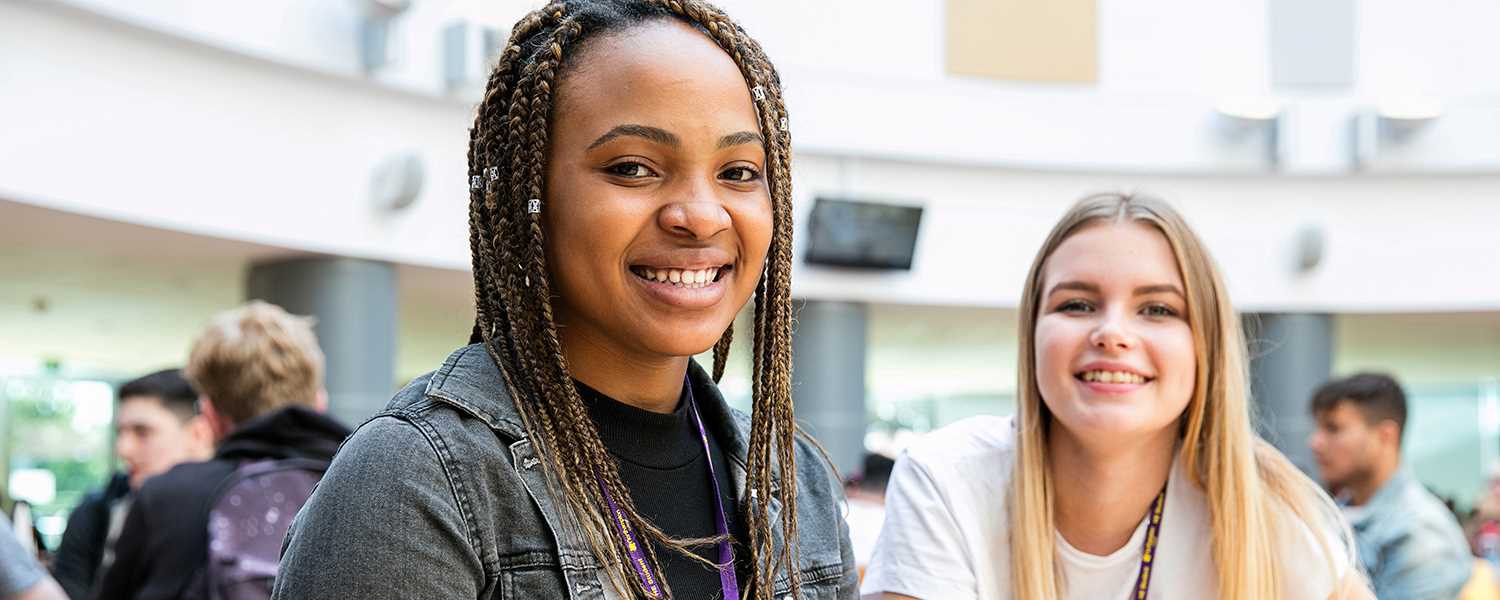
(217, 425)
(201, 436)
(1389, 433)
(320, 402)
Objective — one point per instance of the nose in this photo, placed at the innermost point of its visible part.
(698, 217)
(124, 447)
(1316, 441)
(1111, 334)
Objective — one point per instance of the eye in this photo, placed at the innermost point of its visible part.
(740, 174)
(630, 170)
(1158, 310)
(1075, 306)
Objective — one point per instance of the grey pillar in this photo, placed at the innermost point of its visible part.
(828, 373)
(354, 302)
(1291, 355)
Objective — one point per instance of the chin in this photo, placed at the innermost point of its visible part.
(691, 342)
(1113, 421)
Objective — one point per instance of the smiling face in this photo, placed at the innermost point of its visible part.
(1114, 352)
(657, 215)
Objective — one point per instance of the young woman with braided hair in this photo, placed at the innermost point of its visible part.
(630, 192)
(1131, 469)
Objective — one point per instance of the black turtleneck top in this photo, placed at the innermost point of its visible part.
(661, 461)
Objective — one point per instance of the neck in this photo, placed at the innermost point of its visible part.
(1103, 490)
(648, 383)
(1361, 491)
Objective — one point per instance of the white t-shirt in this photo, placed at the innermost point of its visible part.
(945, 534)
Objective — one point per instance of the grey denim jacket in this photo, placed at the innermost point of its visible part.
(441, 496)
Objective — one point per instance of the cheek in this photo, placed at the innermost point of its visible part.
(1176, 359)
(754, 224)
(1057, 342)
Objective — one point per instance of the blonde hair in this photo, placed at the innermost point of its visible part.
(1250, 487)
(256, 358)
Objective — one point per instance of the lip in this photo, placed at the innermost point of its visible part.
(1112, 388)
(683, 297)
(686, 259)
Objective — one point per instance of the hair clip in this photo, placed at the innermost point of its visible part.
(534, 206)
(492, 173)
(474, 182)
(758, 92)
(783, 123)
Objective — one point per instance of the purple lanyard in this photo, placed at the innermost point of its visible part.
(1148, 555)
(727, 579)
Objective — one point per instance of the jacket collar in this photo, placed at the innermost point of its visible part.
(1383, 499)
(470, 382)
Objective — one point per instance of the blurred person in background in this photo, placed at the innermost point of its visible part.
(21, 576)
(1409, 542)
(1132, 468)
(259, 373)
(157, 426)
(866, 494)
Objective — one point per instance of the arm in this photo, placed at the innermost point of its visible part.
(46, 589)
(21, 578)
(920, 554)
(386, 503)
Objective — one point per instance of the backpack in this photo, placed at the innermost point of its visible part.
(249, 518)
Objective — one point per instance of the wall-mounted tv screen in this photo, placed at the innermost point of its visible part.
(851, 233)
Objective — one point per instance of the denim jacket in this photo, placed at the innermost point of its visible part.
(441, 496)
(1410, 543)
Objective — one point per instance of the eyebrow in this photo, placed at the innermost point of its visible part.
(662, 136)
(743, 137)
(1145, 290)
(654, 134)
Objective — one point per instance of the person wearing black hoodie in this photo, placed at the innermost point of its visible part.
(259, 372)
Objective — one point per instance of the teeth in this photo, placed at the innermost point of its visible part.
(1112, 377)
(682, 278)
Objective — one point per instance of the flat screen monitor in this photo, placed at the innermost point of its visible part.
(869, 235)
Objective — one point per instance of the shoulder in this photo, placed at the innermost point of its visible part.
(411, 396)
(1429, 513)
(388, 467)
(393, 445)
(1319, 549)
(964, 466)
(184, 485)
(984, 444)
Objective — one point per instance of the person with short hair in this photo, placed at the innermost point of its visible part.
(1409, 542)
(259, 373)
(157, 426)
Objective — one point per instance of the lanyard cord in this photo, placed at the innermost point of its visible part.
(728, 581)
(1148, 554)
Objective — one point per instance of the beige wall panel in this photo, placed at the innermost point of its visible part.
(1054, 41)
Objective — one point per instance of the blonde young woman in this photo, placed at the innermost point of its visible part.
(1131, 469)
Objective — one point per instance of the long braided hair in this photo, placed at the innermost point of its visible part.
(514, 319)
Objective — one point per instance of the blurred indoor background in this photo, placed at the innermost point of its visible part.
(162, 160)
